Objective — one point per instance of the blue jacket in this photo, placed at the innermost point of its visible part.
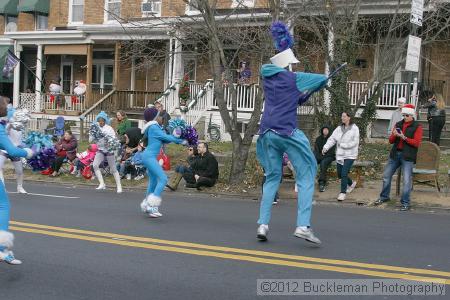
(5, 144)
(136, 159)
(156, 136)
(284, 91)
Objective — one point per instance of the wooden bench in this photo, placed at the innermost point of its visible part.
(359, 167)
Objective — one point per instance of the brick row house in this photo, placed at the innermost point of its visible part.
(82, 40)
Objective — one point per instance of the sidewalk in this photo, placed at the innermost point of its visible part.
(422, 196)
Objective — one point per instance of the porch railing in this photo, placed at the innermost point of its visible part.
(246, 95)
(203, 95)
(389, 96)
(134, 100)
(66, 103)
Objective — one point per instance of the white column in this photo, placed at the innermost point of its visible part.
(38, 78)
(133, 79)
(169, 65)
(326, 93)
(177, 61)
(16, 86)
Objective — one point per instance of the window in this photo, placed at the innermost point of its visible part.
(12, 20)
(76, 8)
(151, 7)
(112, 10)
(41, 22)
(190, 67)
(243, 3)
(191, 8)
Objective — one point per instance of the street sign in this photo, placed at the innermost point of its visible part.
(417, 12)
(413, 54)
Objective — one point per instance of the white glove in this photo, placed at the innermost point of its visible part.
(30, 153)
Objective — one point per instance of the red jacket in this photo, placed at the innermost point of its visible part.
(414, 142)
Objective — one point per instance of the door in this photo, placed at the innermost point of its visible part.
(102, 76)
(67, 78)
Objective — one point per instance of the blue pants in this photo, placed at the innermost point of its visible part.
(389, 171)
(342, 171)
(269, 149)
(157, 179)
(4, 210)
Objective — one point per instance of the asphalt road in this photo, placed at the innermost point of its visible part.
(77, 243)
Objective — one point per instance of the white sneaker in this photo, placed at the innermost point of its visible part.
(128, 177)
(8, 257)
(350, 188)
(21, 190)
(307, 234)
(341, 197)
(101, 187)
(262, 231)
(119, 190)
(139, 177)
(154, 212)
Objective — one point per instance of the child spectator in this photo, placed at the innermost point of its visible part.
(84, 159)
(137, 164)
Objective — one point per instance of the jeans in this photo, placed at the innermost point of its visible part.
(183, 169)
(342, 171)
(324, 164)
(270, 149)
(389, 171)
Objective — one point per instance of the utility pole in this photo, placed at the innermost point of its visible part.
(414, 49)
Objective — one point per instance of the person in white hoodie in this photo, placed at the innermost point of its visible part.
(103, 121)
(346, 139)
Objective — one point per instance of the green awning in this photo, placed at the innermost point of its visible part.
(3, 52)
(40, 6)
(9, 7)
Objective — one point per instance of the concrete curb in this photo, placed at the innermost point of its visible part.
(256, 197)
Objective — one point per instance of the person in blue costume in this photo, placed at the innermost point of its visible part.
(284, 91)
(6, 237)
(157, 179)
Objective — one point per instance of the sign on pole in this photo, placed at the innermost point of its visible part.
(417, 12)
(413, 54)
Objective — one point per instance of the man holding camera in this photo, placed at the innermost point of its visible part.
(406, 136)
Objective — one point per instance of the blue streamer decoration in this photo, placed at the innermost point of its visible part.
(42, 145)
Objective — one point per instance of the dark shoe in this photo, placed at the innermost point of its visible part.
(404, 207)
(322, 188)
(380, 201)
(191, 185)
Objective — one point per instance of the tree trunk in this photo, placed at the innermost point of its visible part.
(239, 161)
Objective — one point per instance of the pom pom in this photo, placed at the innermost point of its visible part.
(20, 119)
(42, 146)
(281, 36)
(111, 142)
(190, 134)
(177, 123)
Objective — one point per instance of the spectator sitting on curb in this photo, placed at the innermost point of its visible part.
(205, 167)
(180, 170)
(84, 159)
(323, 160)
(405, 139)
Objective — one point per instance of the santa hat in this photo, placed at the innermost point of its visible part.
(409, 109)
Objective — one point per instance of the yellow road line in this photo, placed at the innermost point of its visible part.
(241, 251)
(248, 258)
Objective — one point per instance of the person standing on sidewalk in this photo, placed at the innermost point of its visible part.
(396, 115)
(346, 139)
(405, 138)
(437, 117)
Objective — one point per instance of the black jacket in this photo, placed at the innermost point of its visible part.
(206, 166)
(320, 142)
(409, 152)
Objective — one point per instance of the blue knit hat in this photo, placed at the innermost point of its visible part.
(150, 114)
(103, 116)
